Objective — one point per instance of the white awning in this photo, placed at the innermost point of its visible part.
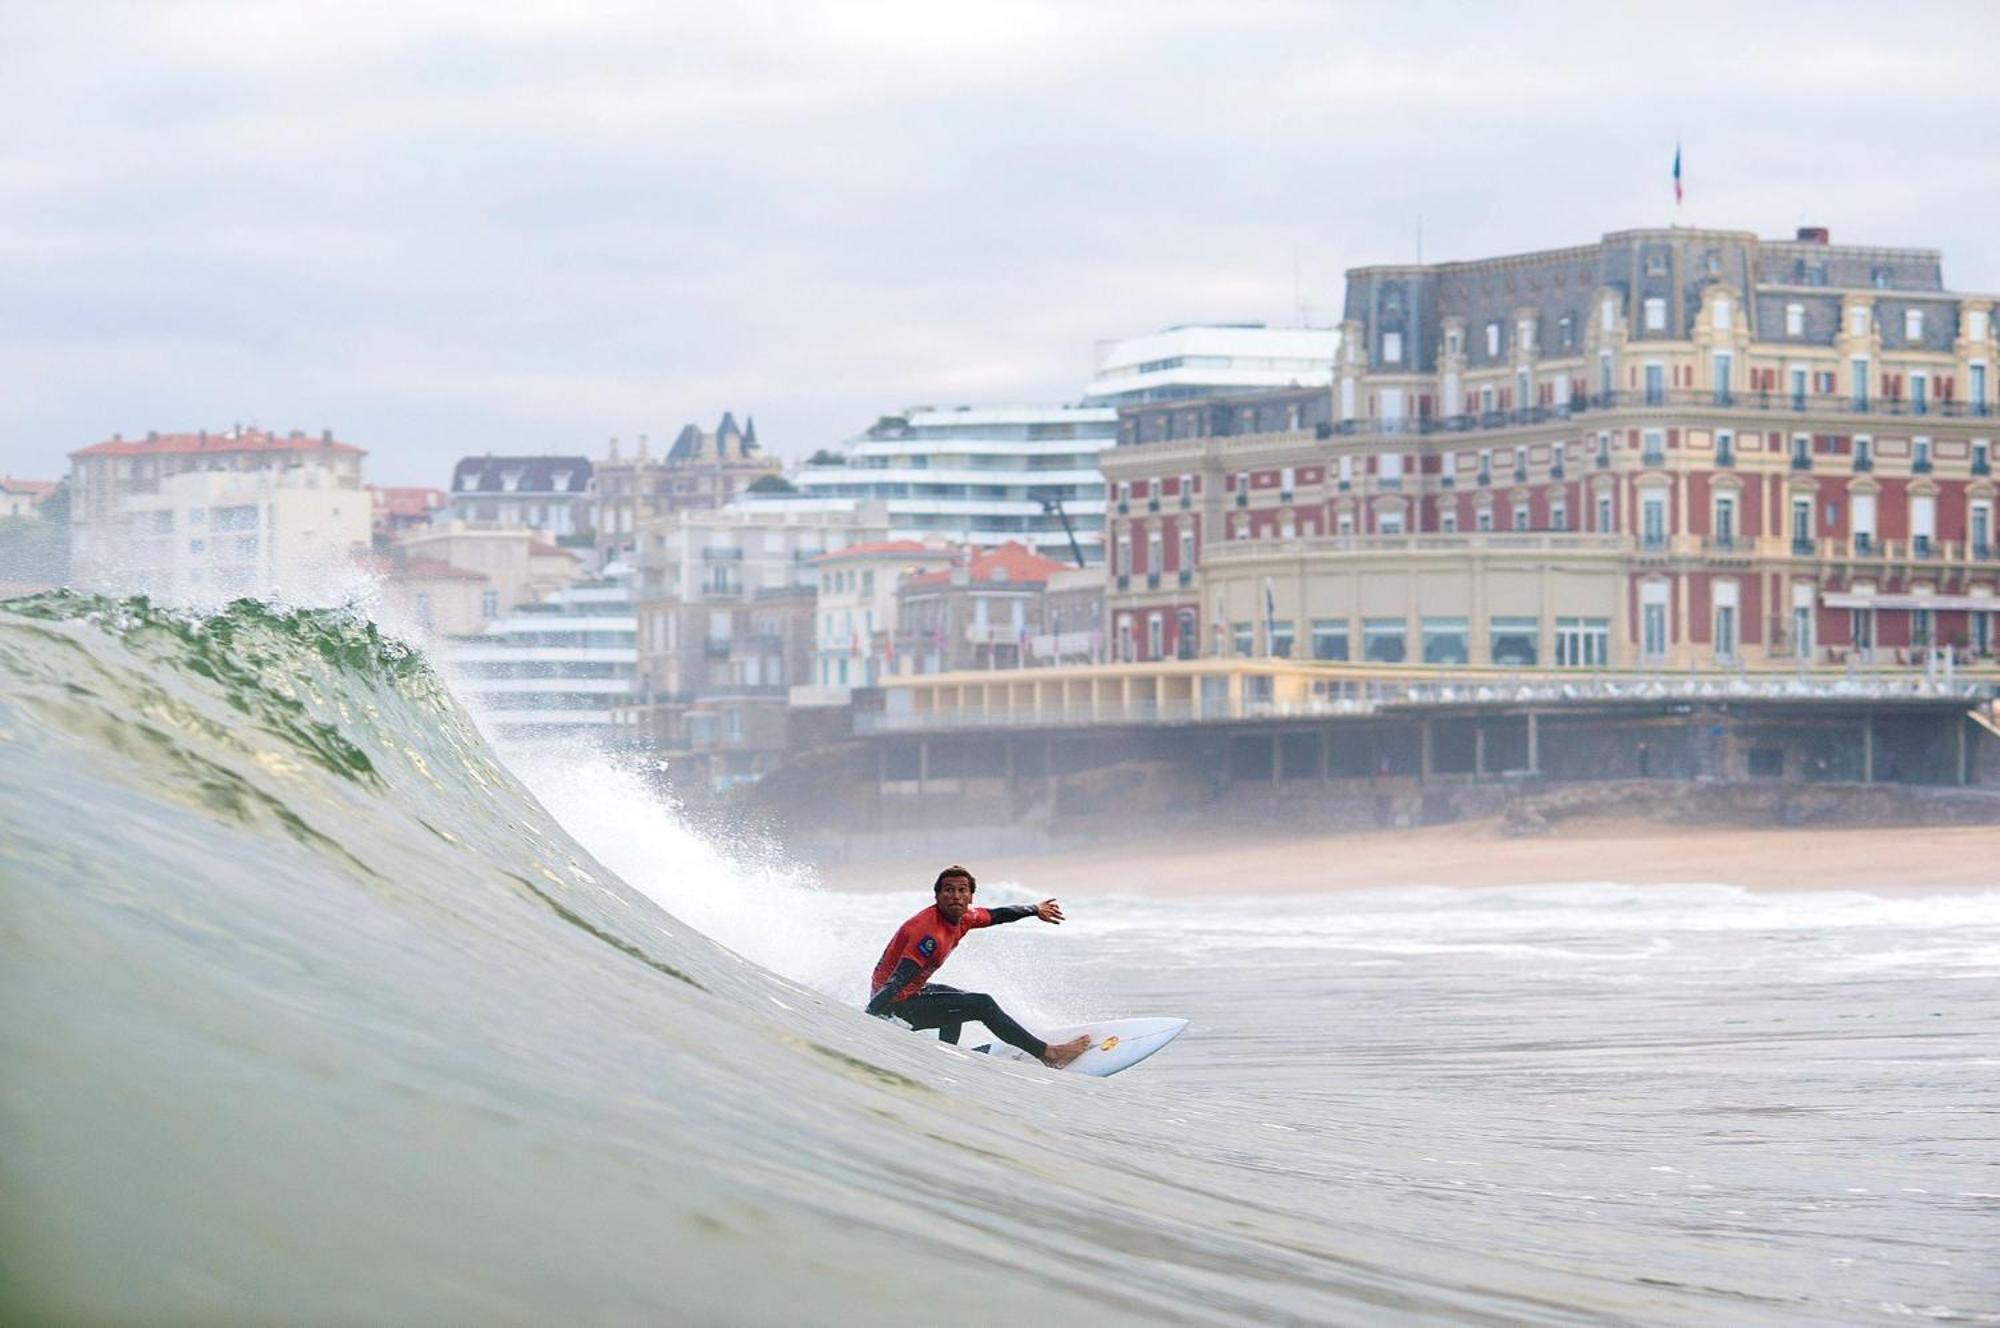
(1844, 600)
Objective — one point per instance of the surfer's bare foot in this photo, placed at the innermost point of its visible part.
(1063, 1053)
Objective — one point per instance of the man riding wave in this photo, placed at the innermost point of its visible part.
(901, 987)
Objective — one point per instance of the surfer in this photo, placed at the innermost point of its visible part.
(920, 947)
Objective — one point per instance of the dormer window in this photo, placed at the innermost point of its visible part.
(1857, 321)
(510, 480)
(1493, 339)
(1656, 314)
(1913, 325)
(560, 481)
(1795, 320)
(1392, 348)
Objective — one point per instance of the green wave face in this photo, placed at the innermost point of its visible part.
(310, 1012)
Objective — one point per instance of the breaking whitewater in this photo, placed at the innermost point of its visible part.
(312, 1010)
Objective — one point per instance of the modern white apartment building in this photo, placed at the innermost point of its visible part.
(207, 535)
(1211, 359)
(555, 669)
(982, 475)
(198, 514)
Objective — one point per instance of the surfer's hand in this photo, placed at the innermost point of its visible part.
(1049, 911)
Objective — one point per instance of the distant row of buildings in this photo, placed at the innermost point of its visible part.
(1669, 449)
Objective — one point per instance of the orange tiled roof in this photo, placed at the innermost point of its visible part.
(29, 488)
(1017, 562)
(243, 440)
(405, 500)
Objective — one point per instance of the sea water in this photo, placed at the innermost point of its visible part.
(315, 1009)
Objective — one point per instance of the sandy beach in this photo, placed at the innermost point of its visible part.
(1232, 861)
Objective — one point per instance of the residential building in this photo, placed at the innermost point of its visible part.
(556, 670)
(23, 497)
(547, 494)
(855, 616)
(396, 509)
(429, 599)
(982, 612)
(981, 475)
(1667, 449)
(699, 471)
(725, 609)
(1211, 359)
(142, 518)
(518, 566)
(1072, 629)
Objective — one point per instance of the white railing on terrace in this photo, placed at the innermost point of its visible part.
(1358, 697)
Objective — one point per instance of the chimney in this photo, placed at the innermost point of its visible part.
(201, 438)
(326, 438)
(1814, 235)
(642, 447)
(152, 435)
(614, 449)
(117, 437)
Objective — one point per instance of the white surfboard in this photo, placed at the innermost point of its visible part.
(1115, 1044)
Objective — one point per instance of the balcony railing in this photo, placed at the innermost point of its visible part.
(1982, 466)
(1152, 580)
(1865, 546)
(1790, 403)
(1186, 576)
(1863, 462)
(1654, 459)
(1485, 478)
(1801, 461)
(1725, 457)
(1920, 466)
(1802, 547)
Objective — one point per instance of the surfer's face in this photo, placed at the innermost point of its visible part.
(954, 896)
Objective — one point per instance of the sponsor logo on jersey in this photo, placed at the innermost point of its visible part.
(927, 946)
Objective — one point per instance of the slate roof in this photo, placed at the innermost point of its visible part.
(530, 474)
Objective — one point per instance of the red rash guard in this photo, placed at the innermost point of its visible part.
(926, 940)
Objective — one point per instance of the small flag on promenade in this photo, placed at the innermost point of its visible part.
(1677, 175)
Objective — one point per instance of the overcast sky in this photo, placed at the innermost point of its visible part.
(442, 228)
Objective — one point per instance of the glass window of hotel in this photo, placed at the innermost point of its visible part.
(1521, 515)
(1448, 521)
(1603, 512)
(1802, 523)
(1913, 325)
(1558, 514)
(1653, 448)
(1390, 523)
(1857, 321)
(1346, 471)
(1653, 518)
(1583, 642)
(1123, 564)
(1154, 546)
(1187, 551)
(1920, 453)
(1287, 527)
(1514, 642)
(1384, 640)
(1975, 324)
(1344, 523)
(1725, 519)
(1239, 528)
(1244, 637)
(1722, 313)
(1557, 456)
(1392, 348)
(1492, 340)
(1864, 519)
(1285, 481)
(1656, 314)
(1795, 320)
(1604, 373)
(1445, 641)
(1982, 631)
(1483, 519)
(1802, 619)
(1979, 526)
(1329, 638)
(1156, 635)
(1653, 621)
(1607, 314)
(1281, 630)
(1486, 399)
(1524, 335)
(1187, 490)
(1565, 333)
(1242, 486)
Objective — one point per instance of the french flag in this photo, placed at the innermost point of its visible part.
(1677, 175)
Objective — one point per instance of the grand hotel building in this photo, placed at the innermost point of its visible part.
(1668, 449)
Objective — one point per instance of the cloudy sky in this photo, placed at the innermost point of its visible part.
(442, 228)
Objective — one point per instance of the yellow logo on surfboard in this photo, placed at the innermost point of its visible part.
(1107, 1044)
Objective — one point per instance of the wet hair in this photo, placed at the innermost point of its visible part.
(952, 873)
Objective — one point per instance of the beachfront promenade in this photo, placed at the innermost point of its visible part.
(1234, 690)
